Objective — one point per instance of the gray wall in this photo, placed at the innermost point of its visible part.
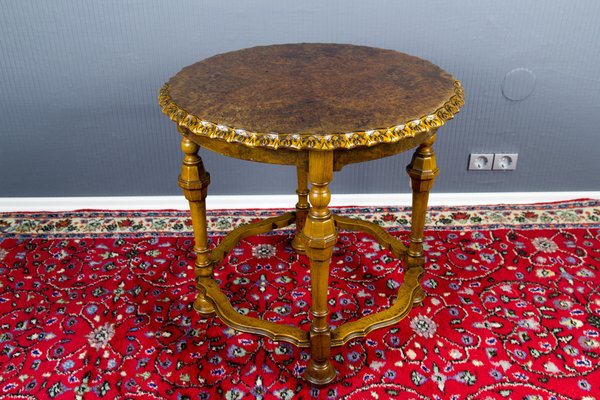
(79, 79)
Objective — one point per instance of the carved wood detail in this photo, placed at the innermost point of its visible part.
(397, 248)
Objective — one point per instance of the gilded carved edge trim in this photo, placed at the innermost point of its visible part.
(299, 141)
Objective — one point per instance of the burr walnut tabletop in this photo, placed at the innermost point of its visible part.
(318, 107)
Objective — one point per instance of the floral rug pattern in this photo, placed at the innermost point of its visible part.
(98, 305)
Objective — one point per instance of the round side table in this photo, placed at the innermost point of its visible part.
(318, 107)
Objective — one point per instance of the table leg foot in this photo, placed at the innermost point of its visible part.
(320, 373)
(204, 306)
(419, 296)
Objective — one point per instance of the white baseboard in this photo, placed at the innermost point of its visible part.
(277, 201)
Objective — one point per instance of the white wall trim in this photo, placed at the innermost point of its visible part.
(276, 201)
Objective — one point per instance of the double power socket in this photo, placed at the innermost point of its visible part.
(496, 162)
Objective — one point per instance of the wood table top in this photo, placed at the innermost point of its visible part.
(320, 96)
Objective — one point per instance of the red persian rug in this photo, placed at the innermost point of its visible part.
(98, 305)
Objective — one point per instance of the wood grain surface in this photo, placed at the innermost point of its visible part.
(311, 88)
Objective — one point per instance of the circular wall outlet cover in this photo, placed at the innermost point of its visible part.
(518, 84)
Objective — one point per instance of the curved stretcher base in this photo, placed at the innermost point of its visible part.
(409, 293)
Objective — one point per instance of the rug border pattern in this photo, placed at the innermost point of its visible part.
(583, 213)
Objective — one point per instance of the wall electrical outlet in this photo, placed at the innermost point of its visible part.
(505, 161)
(481, 162)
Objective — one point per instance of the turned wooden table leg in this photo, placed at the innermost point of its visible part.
(302, 207)
(422, 171)
(194, 181)
(320, 236)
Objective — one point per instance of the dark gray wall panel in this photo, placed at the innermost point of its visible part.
(79, 79)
